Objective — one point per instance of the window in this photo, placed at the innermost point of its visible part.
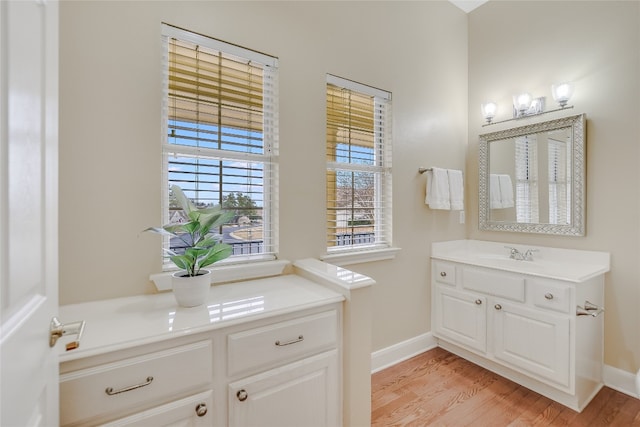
(358, 175)
(559, 177)
(527, 179)
(220, 137)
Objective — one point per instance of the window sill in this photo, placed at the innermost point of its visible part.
(229, 273)
(357, 257)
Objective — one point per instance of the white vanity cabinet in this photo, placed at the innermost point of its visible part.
(302, 393)
(295, 365)
(522, 326)
(266, 352)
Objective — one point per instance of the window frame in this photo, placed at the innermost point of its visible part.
(382, 247)
(268, 159)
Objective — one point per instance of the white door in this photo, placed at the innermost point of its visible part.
(28, 211)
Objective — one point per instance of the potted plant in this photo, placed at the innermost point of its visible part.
(201, 248)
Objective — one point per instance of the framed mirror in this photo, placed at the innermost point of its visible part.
(532, 178)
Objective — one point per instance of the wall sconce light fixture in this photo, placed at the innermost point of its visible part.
(562, 93)
(525, 105)
(489, 110)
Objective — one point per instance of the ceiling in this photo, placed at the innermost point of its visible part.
(468, 5)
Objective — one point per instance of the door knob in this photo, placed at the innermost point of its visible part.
(58, 329)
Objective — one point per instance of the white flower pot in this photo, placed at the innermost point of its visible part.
(191, 291)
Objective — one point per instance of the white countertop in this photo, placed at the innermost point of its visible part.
(121, 323)
(561, 264)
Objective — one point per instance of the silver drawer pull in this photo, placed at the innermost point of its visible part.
(201, 410)
(242, 395)
(443, 273)
(111, 392)
(478, 301)
(498, 307)
(293, 341)
(548, 296)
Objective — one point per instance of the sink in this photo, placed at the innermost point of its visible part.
(563, 264)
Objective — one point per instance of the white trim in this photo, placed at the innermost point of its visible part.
(622, 381)
(357, 257)
(402, 351)
(358, 87)
(229, 273)
(614, 378)
(219, 45)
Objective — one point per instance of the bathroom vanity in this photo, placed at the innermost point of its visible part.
(260, 352)
(537, 322)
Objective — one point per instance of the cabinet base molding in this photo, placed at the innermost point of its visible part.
(576, 402)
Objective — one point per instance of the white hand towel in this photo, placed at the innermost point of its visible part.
(438, 189)
(495, 198)
(456, 189)
(506, 191)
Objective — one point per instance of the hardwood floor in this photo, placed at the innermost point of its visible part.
(438, 388)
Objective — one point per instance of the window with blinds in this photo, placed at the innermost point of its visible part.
(220, 137)
(527, 205)
(358, 176)
(559, 177)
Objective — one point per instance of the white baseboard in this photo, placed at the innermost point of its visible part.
(622, 381)
(401, 351)
(617, 379)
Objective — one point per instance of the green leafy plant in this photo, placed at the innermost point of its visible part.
(202, 248)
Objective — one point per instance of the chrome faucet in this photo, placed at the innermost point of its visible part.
(528, 255)
(519, 256)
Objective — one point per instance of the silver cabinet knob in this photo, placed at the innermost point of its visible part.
(498, 307)
(478, 301)
(242, 395)
(201, 410)
(443, 274)
(548, 296)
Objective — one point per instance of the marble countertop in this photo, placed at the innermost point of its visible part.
(120, 323)
(561, 264)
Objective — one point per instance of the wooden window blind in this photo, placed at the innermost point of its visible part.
(220, 137)
(358, 176)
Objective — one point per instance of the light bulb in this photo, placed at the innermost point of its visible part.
(489, 110)
(522, 102)
(562, 93)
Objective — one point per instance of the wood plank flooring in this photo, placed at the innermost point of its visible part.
(438, 388)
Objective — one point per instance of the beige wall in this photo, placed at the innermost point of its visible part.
(527, 46)
(110, 161)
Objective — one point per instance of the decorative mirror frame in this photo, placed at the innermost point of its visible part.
(578, 184)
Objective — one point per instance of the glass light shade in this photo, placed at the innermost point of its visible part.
(522, 102)
(562, 93)
(489, 110)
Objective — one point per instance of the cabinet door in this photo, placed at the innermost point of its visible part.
(461, 316)
(304, 393)
(533, 341)
(193, 411)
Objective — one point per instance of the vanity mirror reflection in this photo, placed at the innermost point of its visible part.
(532, 178)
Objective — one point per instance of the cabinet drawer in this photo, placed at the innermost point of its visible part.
(498, 284)
(444, 272)
(138, 383)
(550, 295)
(281, 342)
(192, 411)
